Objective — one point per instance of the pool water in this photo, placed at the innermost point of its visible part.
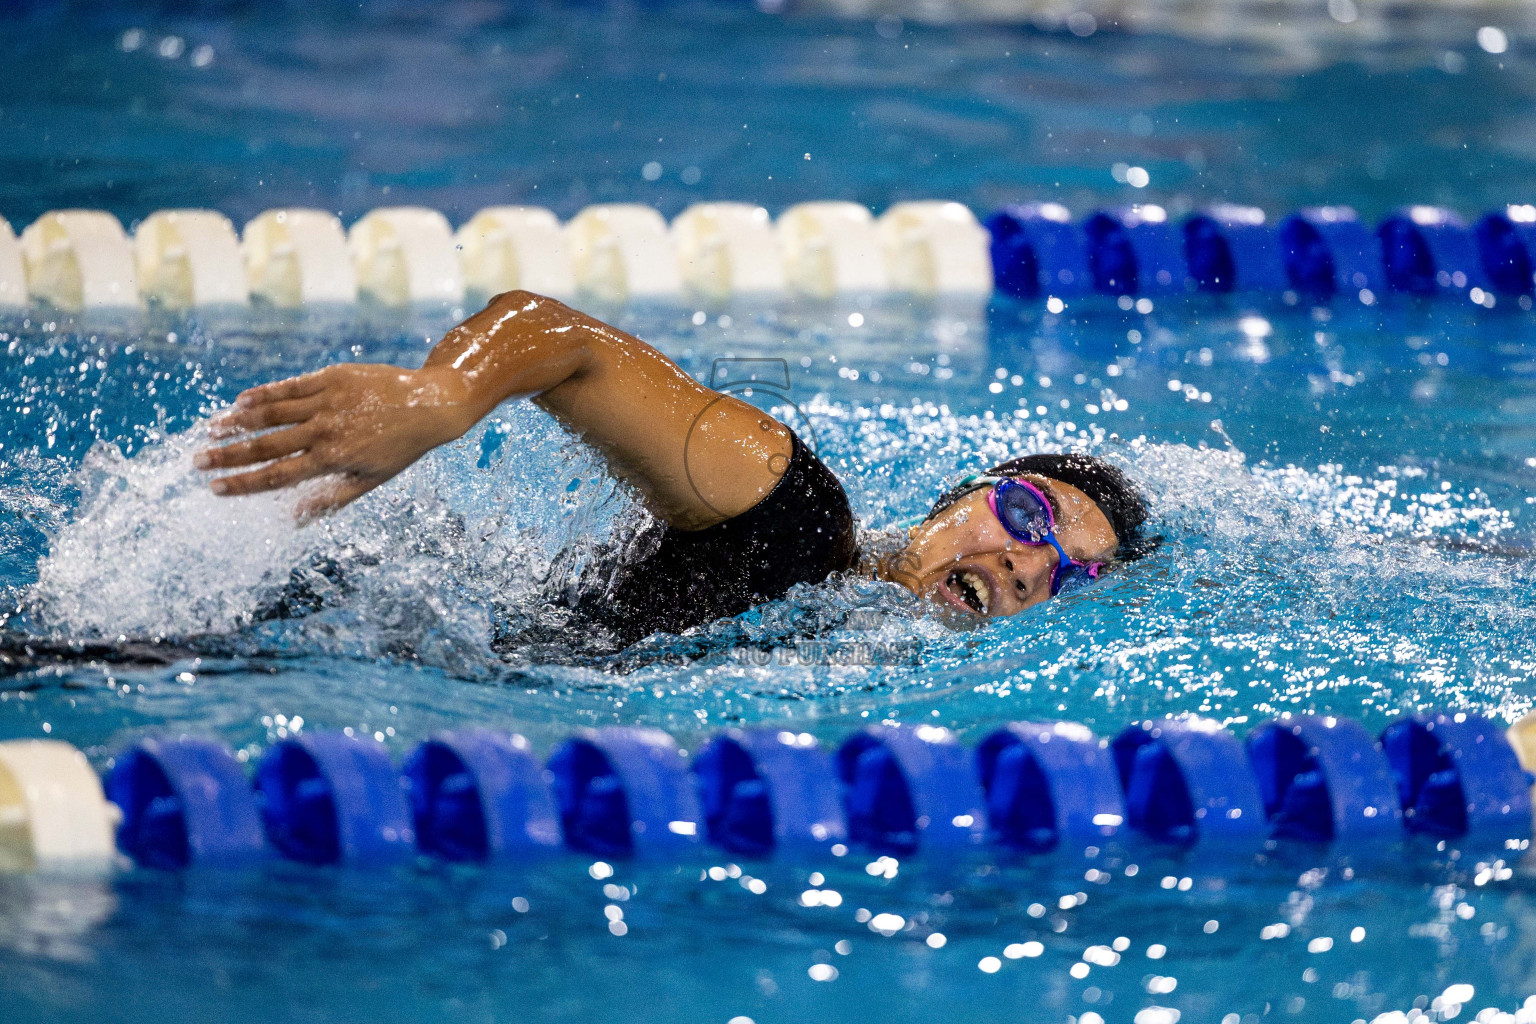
(1344, 498)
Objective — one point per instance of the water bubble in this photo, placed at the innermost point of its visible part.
(1492, 39)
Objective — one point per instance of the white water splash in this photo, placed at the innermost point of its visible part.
(151, 551)
(1314, 563)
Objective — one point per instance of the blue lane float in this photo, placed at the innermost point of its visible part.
(1426, 250)
(625, 791)
(910, 789)
(767, 791)
(1231, 249)
(1135, 251)
(1506, 243)
(1318, 254)
(1037, 250)
(1186, 780)
(1457, 775)
(1328, 252)
(1049, 785)
(479, 795)
(1323, 778)
(184, 801)
(332, 798)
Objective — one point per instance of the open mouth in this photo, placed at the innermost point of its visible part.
(971, 588)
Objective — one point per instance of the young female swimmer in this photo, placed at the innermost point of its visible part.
(743, 509)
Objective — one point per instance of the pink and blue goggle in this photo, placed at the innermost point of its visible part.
(1026, 515)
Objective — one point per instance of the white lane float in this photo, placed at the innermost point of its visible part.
(80, 259)
(1522, 736)
(296, 257)
(831, 247)
(13, 272)
(405, 255)
(52, 811)
(506, 247)
(936, 247)
(726, 249)
(188, 258)
(622, 251)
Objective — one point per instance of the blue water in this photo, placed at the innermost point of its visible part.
(1329, 484)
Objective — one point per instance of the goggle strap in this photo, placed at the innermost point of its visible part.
(969, 483)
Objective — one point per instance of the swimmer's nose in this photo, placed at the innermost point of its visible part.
(1021, 569)
(1017, 585)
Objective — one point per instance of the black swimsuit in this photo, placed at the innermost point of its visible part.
(669, 580)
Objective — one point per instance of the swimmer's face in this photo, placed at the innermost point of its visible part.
(963, 559)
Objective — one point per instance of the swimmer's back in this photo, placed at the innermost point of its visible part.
(670, 580)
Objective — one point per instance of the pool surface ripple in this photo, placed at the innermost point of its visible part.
(1343, 495)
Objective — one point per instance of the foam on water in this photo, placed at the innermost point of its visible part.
(150, 551)
(1272, 587)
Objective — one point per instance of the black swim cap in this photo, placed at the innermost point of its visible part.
(1110, 489)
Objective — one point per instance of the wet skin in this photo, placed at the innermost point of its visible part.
(696, 456)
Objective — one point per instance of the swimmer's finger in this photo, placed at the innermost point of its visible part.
(268, 414)
(301, 386)
(342, 491)
(271, 477)
(238, 418)
(258, 449)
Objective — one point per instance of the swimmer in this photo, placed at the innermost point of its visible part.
(743, 510)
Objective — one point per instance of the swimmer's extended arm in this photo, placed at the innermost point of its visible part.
(698, 456)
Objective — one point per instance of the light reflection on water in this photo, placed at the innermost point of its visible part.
(1301, 569)
(1314, 473)
(715, 940)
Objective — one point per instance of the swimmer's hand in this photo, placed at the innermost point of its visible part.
(357, 424)
(697, 456)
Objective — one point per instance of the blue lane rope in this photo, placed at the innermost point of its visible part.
(479, 795)
(1320, 254)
